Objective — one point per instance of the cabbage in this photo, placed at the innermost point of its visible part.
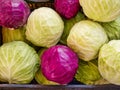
(109, 61)
(68, 25)
(85, 38)
(112, 29)
(9, 35)
(44, 27)
(18, 62)
(88, 73)
(67, 8)
(101, 10)
(59, 64)
(13, 13)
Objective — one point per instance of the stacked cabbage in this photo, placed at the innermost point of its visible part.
(89, 30)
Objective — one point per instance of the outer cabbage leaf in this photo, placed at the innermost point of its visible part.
(112, 29)
(88, 73)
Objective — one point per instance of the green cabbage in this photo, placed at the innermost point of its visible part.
(18, 62)
(85, 38)
(101, 10)
(88, 73)
(9, 35)
(44, 27)
(112, 29)
(68, 23)
(109, 61)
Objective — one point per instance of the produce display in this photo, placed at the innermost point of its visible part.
(72, 41)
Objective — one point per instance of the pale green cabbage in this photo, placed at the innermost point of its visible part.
(88, 73)
(101, 10)
(85, 38)
(44, 27)
(18, 62)
(109, 61)
(112, 29)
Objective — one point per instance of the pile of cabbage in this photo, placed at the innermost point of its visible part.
(75, 41)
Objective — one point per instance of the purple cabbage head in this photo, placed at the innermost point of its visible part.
(59, 64)
(13, 13)
(67, 8)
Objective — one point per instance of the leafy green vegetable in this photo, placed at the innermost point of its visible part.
(112, 29)
(18, 62)
(88, 73)
(9, 35)
(109, 61)
(85, 38)
(44, 27)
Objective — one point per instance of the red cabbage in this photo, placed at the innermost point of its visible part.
(13, 13)
(67, 8)
(59, 64)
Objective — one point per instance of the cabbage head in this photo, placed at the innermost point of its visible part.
(85, 38)
(18, 62)
(112, 29)
(101, 10)
(88, 73)
(109, 61)
(44, 27)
